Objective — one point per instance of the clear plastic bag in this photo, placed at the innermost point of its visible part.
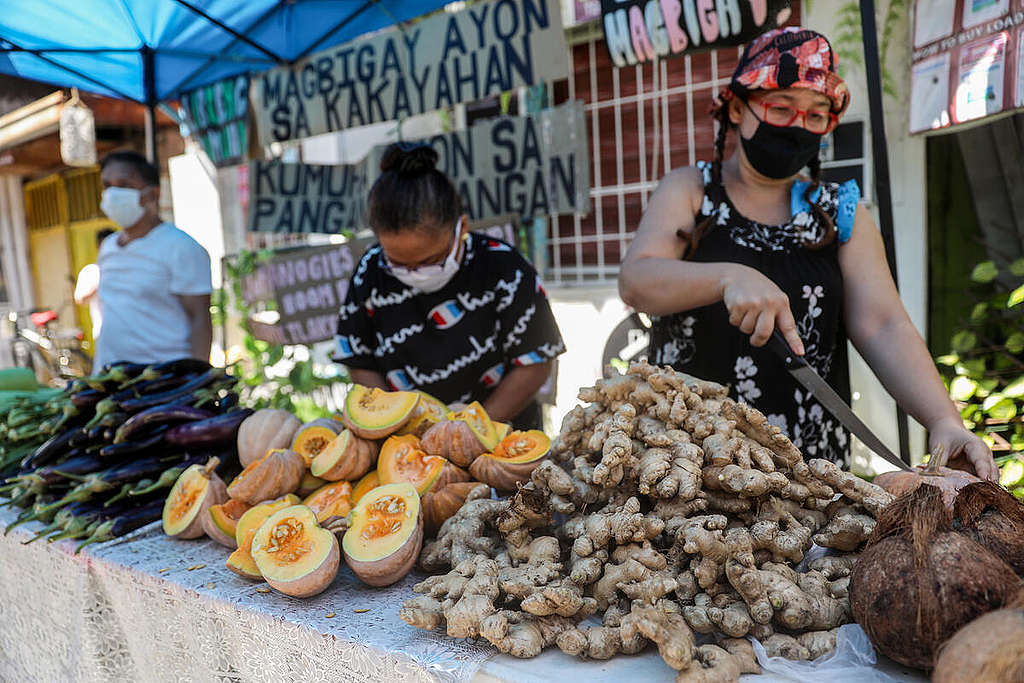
(853, 661)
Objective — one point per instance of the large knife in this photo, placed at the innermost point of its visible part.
(827, 397)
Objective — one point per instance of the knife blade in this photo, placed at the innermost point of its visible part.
(833, 402)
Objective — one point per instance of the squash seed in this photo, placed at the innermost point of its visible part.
(262, 589)
(195, 566)
(211, 585)
(165, 569)
(360, 611)
(330, 615)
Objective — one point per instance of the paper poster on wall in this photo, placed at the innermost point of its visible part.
(981, 73)
(979, 11)
(530, 166)
(640, 30)
(933, 20)
(485, 49)
(929, 94)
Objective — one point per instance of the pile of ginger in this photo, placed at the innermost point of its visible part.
(666, 510)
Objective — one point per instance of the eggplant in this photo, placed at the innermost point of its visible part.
(208, 432)
(176, 395)
(161, 414)
(111, 404)
(87, 399)
(52, 449)
(40, 511)
(183, 366)
(106, 480)
(153, 439)
(228, 402)
(125, 523)
(72, 467)
(83, 437)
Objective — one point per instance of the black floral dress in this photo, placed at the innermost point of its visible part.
(703, 343)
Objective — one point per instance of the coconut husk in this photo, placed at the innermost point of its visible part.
(991, 516)
(990, 649)
(918, 580)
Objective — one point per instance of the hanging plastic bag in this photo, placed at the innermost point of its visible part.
(853, 661)
(77, 133)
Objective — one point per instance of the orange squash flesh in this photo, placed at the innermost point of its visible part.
(313, 437)
(222, 520)
(294, 554)
(512, 461)
(373, 413)
(428, 412)
(476, 417)
(332, 500)
(367, 483)
(523, 446)
(386, 534)
(402, 460)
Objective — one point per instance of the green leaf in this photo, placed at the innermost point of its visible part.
(1017, 267)
(984, 272)
(978, 312)
(972, 368)
(1004, 409)
(274, 355)
(1015, 343)
(970, 411)
(1015, 389)
(987, 386)
(949, 359)
(962, 388)
(1016, 297)
(963, 341)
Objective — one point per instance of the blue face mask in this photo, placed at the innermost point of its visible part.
(429, 279)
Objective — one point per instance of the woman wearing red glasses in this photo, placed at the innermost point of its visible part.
(782, 251)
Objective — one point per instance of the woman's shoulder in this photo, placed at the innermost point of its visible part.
(368, 267)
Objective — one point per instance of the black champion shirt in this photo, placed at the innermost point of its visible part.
(458, 342)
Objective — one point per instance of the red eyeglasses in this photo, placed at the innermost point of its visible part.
(783, 116)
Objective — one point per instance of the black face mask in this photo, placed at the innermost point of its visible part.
(780, 152)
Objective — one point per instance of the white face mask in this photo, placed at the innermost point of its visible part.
(429, 279)
(121, 204)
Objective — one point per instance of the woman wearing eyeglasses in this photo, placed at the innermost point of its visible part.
(434, 307)
(782, 251)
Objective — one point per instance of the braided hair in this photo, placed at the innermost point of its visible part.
(701, 229)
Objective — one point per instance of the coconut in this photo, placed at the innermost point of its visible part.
(918, 581)
(994, 518)
(990, 649)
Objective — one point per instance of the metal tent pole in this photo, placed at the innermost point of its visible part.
(880, 162)
(149, 88)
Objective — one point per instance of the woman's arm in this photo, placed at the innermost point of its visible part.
(516, 390)
(654, 279)
(881, 330)
(368, 378)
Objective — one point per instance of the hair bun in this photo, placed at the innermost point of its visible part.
(409, 159)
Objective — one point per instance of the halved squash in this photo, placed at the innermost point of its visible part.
(312, 438)
(294, 554)
(427, 413)
(480, 422)
(370, 481)
(346, 457)
(512, 461)
(221, 520)
(265, 430)
(275, 474)
(385, 535)
(193, 493)
(440, 504)
(240, 561)
(453, 440)
(309, 483)
(332, 500)
(402, 460)
(375, 413)
(501, 430)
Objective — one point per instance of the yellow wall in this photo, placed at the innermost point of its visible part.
(83, 250)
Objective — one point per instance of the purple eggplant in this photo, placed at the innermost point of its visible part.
(154, 439)
(88, 398)
(176, 395)
(125, 523)
(209, 432)
(52, 448)
(157, 415)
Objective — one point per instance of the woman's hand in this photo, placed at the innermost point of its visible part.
(962, 449)
(757, 306)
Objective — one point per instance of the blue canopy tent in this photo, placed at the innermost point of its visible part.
(151, 51)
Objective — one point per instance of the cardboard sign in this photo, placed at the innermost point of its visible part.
(525, 165)
(639, 30)
(218, 117)
(486, 49)
(967, 62)
(308, 284)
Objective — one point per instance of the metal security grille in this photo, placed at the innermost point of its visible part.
(642, 121)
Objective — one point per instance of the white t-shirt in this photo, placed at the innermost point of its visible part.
(143, 319)
(89, 281)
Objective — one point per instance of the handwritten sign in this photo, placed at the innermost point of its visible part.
(486, 49)
(218, 117)
(967, 62)
(639, 30)
(525, 165)
(308, 284)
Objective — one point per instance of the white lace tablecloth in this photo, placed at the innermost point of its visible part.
(150, 608)
(133, 611)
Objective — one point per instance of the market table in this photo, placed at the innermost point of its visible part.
(150, 608)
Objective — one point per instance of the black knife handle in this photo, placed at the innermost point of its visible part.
(780, 347)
